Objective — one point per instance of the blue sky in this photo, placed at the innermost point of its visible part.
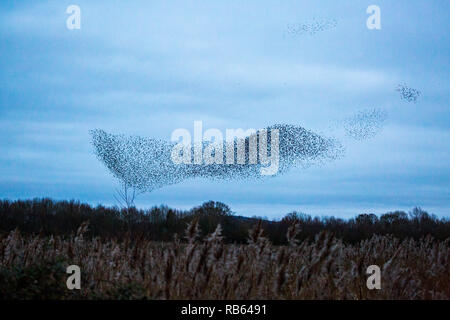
(149, 67)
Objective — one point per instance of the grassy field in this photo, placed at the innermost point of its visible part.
(33, 267)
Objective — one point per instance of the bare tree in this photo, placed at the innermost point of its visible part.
(126, 196)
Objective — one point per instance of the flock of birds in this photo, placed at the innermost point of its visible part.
(407, 93)
(145, 164)
(311, 27)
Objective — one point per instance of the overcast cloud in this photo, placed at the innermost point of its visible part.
(150, 67)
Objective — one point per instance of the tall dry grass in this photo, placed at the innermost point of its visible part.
(323, 268)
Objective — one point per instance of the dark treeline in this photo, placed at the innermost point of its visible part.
(48, 217)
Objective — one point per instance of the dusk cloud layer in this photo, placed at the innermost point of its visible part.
(147, 68)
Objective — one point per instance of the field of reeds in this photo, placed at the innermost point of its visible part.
(33, 267)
